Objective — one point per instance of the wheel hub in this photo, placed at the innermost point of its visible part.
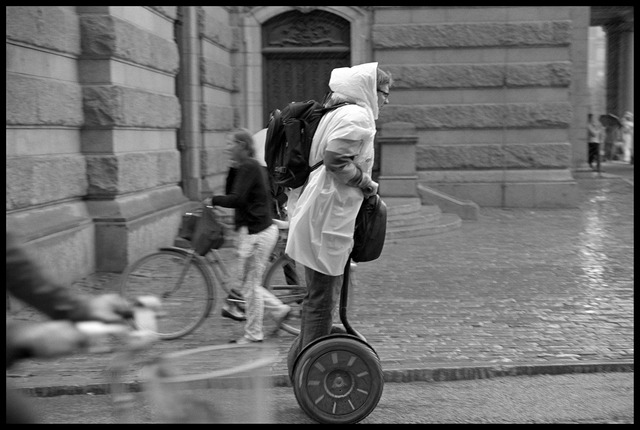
(338, 383)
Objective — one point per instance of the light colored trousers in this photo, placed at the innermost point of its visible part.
(627, 147)
(253, 252)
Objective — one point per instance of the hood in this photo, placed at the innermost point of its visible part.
(358, 83)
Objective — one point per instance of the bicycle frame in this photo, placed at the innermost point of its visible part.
(218, 268)
(213, 262)
(210, 269)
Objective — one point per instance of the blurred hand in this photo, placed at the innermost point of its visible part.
(226, 217)
(368, 186)
(109, 308)
(370, 189)
(50, 339)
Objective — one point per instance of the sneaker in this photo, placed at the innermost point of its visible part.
(281, 317)
(245, 341)
(233, 313)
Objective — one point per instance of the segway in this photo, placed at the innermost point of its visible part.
(337, 379)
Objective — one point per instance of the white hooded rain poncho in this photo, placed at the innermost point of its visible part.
(322, 218)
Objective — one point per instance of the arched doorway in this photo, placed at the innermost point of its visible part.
(299, 51)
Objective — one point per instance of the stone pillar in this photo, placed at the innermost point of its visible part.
(626, 69)
(190, 93)
(613, 67)
(398, 176)
(131, 115)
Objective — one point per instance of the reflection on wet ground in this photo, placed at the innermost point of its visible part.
(517, 285)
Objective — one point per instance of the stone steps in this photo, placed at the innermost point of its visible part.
(407, 217)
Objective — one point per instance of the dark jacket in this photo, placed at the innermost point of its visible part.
(249, 194)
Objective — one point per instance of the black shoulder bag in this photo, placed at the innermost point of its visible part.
(370, 231)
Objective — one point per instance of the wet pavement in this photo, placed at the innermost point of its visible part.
(517, 291)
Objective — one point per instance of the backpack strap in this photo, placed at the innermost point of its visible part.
(327, 109)
(318, 164)
(330, 108)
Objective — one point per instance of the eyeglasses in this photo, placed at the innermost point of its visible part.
(384, 93)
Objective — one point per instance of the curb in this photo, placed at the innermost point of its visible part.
(601, 175)
(433, 374)
(460, 373)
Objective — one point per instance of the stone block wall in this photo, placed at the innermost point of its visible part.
(128, 67)
(490, 90)
(45, 171)
(221, 76)
(93, 167)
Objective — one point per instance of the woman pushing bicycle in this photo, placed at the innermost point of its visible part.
(250, 196)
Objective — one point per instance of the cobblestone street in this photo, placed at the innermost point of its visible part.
(515, 287)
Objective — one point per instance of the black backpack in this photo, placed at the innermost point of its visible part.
(288, 142)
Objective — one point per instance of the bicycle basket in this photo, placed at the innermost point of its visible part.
(188, 224)
(209, 232)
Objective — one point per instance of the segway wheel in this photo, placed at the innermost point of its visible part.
(294, 350)
(338, 380)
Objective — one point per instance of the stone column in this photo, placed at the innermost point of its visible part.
(190, 92)
(398, 176)
(613, 51)
(626, 69)
(131, 114)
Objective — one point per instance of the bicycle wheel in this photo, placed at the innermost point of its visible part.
(182, 283)
(286, 280)
(220, 262)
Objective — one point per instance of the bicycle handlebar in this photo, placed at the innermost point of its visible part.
(98, 329)
(131, 334)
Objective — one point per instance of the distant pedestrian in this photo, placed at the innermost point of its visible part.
(627, 137)
(612, 135)
(250, 196)
(594, 139)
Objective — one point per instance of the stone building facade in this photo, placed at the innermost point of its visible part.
(117, 115)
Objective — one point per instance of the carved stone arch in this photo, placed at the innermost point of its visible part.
(359, 21)
(299, 51)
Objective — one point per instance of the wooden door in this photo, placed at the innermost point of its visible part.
(300, 50)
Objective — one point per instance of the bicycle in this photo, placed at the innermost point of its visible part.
(185, 283)
(212, 384)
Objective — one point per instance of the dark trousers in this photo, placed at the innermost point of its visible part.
(322, 296)
(593, 152)
(608, 151)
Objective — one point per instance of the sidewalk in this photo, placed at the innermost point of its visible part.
(519, 291)
(609, 170)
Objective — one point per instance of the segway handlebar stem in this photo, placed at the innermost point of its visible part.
(344, 293)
